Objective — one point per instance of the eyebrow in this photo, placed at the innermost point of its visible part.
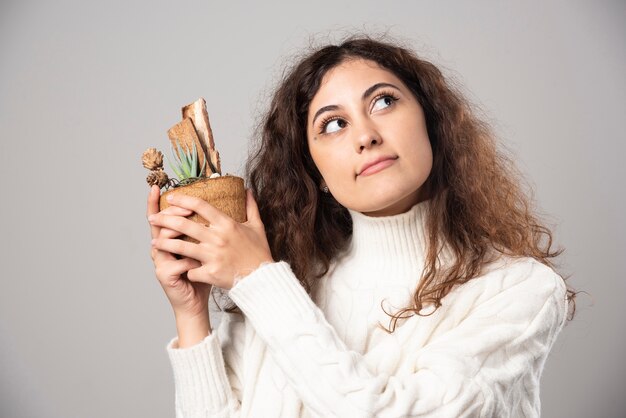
(366, 94)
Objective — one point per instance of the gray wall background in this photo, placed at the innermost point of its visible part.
(86, 87)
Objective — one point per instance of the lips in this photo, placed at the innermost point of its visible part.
(377, 164)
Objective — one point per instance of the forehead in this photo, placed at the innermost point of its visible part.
(352, 76)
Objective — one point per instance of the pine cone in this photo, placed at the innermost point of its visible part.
(158, 177)
(152, 159)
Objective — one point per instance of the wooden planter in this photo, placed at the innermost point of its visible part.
(226, 193)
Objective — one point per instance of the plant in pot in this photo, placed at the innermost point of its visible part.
(197, 166)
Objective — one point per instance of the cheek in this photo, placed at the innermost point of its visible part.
(318, 159)
(334, 165)
(423, 157)
(332, 170)
(416, 137)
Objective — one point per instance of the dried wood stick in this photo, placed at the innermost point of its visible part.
(198, 114)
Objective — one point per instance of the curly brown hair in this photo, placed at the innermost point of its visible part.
(478, 205)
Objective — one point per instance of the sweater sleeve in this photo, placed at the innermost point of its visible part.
(480, 367)
(208, 375)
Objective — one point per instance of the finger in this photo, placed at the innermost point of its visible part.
(180, 224)
(199, 274)
(176, 210)
(174, 268)
(153, 208)
(178, 246)
(159, 256)
(252, 209)
(153, 205)
(201, 207)
(169, 233)
(173, 210)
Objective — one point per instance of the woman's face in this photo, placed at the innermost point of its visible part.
(363, 113)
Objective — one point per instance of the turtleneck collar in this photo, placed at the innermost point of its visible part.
(391, 243)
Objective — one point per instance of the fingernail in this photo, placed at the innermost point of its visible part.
(151, 218)
(153, 241)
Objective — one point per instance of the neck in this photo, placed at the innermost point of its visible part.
(394, 243)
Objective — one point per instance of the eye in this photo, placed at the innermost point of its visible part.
(384, 100)
(334, 122)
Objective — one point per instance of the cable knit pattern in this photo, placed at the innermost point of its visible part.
(481, 354)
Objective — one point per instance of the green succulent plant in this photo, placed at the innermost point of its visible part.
(186, 166)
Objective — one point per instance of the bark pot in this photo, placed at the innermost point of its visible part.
(226, 193)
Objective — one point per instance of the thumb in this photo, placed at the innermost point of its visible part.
(252, 209)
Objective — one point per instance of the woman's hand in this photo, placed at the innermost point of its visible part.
(226, 248)
(189, 300)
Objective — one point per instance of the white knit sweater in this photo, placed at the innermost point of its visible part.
(481, 354)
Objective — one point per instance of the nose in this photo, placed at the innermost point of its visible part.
(366, 137)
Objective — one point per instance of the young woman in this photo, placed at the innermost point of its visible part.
(376, 196)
